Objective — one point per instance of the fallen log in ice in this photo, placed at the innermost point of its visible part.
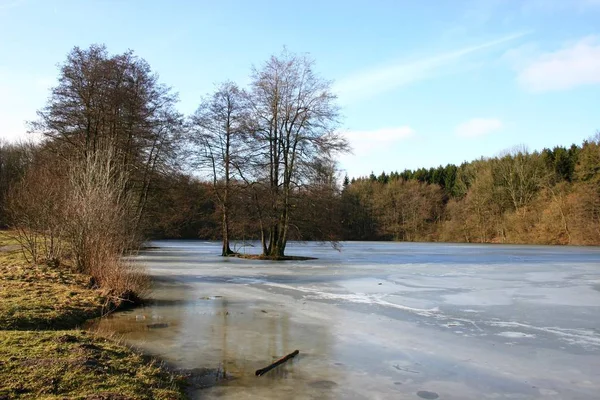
(262, 371)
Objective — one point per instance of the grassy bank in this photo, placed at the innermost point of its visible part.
(43, 355)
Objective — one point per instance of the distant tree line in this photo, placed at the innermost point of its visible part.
(547, 197)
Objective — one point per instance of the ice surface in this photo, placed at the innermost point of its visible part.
(378, 320)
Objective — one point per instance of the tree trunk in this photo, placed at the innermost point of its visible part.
(263, 240)
(277, 240)
(225, 206)
(226, 249)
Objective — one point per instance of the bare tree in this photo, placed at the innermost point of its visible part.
(293, 117)
(519, 176)
(35, 205)
(216, 130)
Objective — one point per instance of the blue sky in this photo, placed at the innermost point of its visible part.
(421, 83)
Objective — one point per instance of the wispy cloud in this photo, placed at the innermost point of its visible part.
(576, 64)
(385, 78)
(553, 6)
(6, 5)
(478, 127)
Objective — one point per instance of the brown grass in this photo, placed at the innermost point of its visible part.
(79, 365)
(123, 284)
(38, 297)
(49, 364)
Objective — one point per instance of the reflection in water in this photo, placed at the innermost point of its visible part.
(224, 341)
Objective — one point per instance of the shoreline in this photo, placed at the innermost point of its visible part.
(271, 258)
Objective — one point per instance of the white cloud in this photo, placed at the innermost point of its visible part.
(478, 127)
(373, 149)
(11, 130)
(574, 65)
(364, 142)
(381, 79)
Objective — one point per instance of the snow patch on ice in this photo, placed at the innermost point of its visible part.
(361, 298)
(511, 334)
(572, 336)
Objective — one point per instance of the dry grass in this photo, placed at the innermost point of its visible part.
(78, 365)
(38, 297)
(123, 283)
(50, 364)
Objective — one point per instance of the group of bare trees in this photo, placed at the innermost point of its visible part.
(109, 127)
(404, 210)
(113, 142)
(15, 159)
(267, 142)
(114, 104)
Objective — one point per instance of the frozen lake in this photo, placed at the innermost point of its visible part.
(377, 321)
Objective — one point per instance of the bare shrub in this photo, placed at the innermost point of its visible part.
(83, 206)
(99, 216)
